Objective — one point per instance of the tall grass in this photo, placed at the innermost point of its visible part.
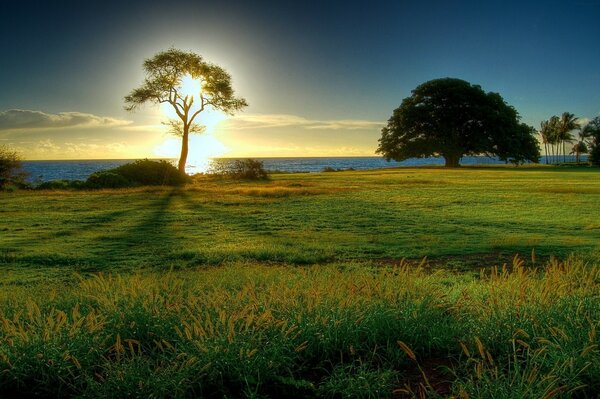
(343, 330)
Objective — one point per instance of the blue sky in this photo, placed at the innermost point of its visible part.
(321, 78)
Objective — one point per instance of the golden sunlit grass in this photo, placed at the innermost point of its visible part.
(272, 189)
(344, 329)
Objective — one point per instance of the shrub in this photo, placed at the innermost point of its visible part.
(249, 169)
(107, 179)
(595, 155)
(152, 173)
(139, 173)
(11, 172)
(61, 185)
(330, 169)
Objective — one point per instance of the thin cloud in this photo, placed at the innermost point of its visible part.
(50, 149)
(583, 121)
(268, 121)
(17, 119)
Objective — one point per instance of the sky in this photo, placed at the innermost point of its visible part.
(321, 78)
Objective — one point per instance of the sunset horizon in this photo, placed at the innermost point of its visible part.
(294, 199)
(307, 95)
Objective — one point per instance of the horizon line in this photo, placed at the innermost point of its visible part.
(167, 158)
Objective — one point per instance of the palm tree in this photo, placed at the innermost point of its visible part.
(566, 124)
(545, 134)
(584, 134)
(579, 148)
(552, 135)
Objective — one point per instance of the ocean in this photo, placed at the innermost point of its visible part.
(80, 169)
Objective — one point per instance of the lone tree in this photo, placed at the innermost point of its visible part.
(166, 76)
(452, 118)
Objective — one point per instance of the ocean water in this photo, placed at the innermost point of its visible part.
(81, 169)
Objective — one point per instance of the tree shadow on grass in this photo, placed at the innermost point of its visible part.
(86, 224)
(144, 244)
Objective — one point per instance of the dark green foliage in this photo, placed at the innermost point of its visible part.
(452, 118)
(595, 155)
(250, 169)
(107, 179)
(11, 173)
(592, 132)
(152, 173)
(139, 173)
(245, 169)
(330, 169)
(521, 147)
(62, 185)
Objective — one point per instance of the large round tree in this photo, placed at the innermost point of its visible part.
(453, 118)
(208, 86)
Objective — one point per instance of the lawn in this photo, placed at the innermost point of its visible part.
(297, 287)
(471, 216)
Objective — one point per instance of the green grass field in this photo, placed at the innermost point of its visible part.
(295, 287)
(469, 215)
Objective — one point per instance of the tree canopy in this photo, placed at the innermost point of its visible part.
(452, 118)
(592, 136)
(163, 84)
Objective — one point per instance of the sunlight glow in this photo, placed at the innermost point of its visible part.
(189, 86)
(201, 150)
(209, 117)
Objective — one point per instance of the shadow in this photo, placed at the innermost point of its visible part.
(147, 242)
(87, 224)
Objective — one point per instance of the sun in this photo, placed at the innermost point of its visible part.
(189, 86)
(203, 147)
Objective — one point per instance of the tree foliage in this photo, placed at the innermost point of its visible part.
(11, 171)
(164, 74)
(556, 133)
(452, 118)
(592, 135)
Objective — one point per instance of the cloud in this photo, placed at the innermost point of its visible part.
(268, 121)
(50, 149)
(583, 121)
(14, 119)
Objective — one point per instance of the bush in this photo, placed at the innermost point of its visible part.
(249, 169)
(61, 185)
(152, 173)
(11, 172)
(139, 173)
(330, 169)
(107, 179)
(595, 155)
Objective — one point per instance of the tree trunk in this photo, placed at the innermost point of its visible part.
(564, 152)
(577, 155)
(184, 148)
(452, 160)
(546, 148)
